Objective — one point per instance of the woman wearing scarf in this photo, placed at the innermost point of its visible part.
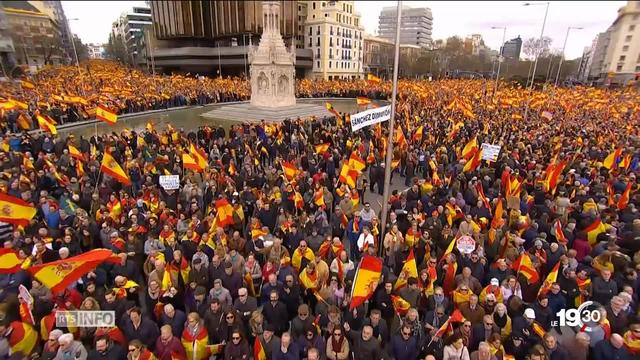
(310, 339)
(502, 320)
(337, 345)
(252, 267)
(237, 348)
(495, 346)
(195, 338)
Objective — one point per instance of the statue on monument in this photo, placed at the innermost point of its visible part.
(273, 58)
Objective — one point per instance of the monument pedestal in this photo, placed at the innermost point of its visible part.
(248, 112)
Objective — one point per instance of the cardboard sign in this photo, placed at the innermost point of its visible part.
(490, 152)
(466, 244)
(169, 182)
(370, 117)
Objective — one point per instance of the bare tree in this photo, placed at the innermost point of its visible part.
(533, 47)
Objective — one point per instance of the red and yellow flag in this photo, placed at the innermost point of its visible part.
(27, 84)
(111, 167)
(15, 211)
(199, 156)
(47, 124)
(362, 100)
(473, 164)
(104, 114)
(348, 175)
(409, 269)
(24, 122)
(75, 153)
(366, 279)
(9, 261)
(496, 222)
(224, 213)
(22, 339)
(470, 148)
(595, 229)
(400, 305)
(356, 162)
(188, 162)
(524, 266)
(623, 202)
(373, 79)
(321, 148)
(550, 279)
(57, 275)
(289, 170)
(556, 231)
(318, 198)
(258, 350)
(417, 136)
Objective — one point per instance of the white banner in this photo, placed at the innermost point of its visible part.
(490, 152)
(370, 117)
(169, 182)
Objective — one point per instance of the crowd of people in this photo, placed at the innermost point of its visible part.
(256, 253)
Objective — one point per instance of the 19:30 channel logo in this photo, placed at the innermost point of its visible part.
(586, 316)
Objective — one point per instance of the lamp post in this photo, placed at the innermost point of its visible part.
(389, 154)
(566, 37)
(535, 63)
(500, 56)
(75, 52)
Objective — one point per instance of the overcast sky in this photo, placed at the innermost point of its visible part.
(449, 18)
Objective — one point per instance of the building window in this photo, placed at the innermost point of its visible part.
(318, 63)
(318, 52)
(625, 48)
(622, 58)
(619, 68)
(326, 15)
(632, 27)
(627, 38)
(324, 4)
(330, 64)
(638, 68)
(314, 7)
(318, 41)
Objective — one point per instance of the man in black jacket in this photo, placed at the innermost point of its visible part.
(106, 349)
(275, 312)
(364, 345)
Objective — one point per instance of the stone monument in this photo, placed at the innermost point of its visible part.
(271, 64)
(273, 83)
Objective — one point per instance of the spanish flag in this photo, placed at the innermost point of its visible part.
(24, 122)
(595, 229)
(409, 269)
(348, 176)
(417, 136)
(298, 201)
(470, 148)
(197, 347)
(106, 115)
(632, 343)
(624, 199)
(75, 153)
(361, 100)
(538, 329)
(524, 266)
(400, 305)
(27, 84)
(366, 280)
(373, 79)
(473, 164)
(224, 213)
(550, 279)
(298, 255)
(557, 232)
(22, 339)
(318, 198)
(57, 275)
(188, 162)
(356, 162)
(199, 156)
(9, 261)
(322, 148)
(110, 167)
(46, 124)
(258, 350)
(15, 211)
(289, 170)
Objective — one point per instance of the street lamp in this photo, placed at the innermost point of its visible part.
(544, 22)
(500, 56)
(563, 47)
(73, 44)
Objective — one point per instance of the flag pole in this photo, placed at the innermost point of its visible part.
(389, 154)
